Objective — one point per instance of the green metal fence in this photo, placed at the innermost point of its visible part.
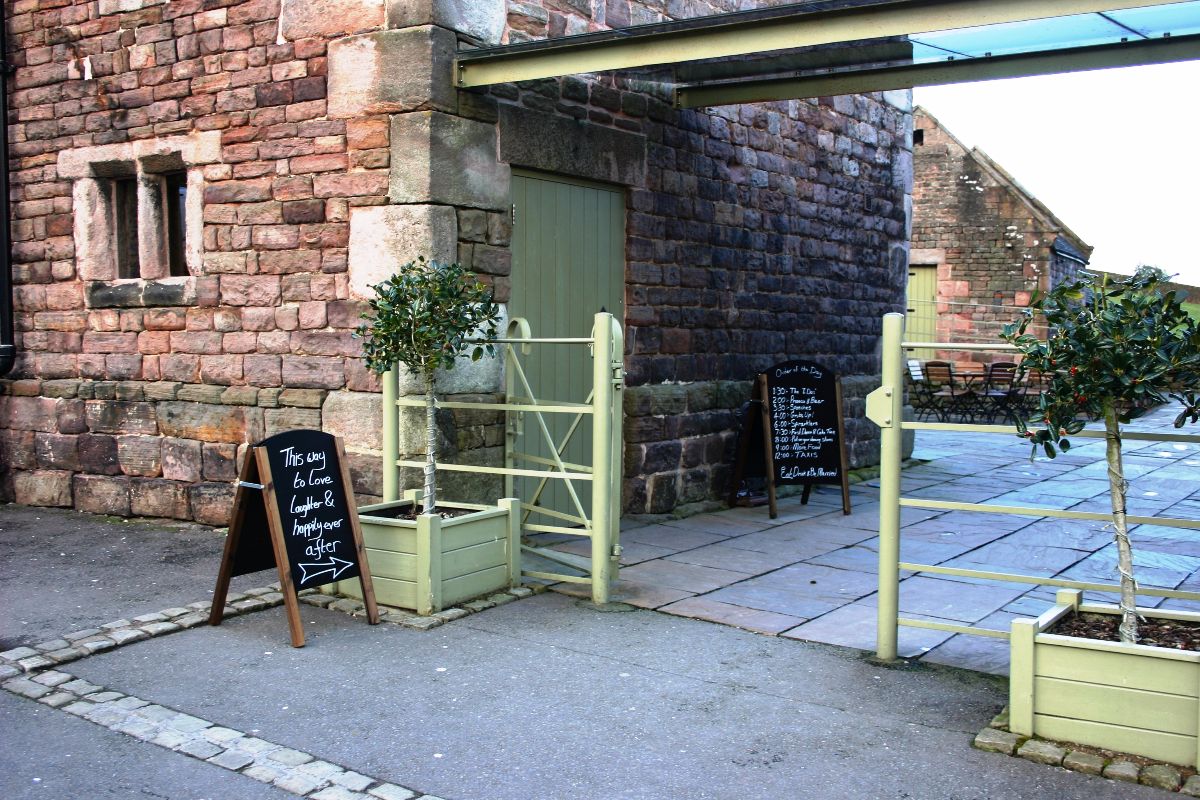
(885, 407)
(524, 418)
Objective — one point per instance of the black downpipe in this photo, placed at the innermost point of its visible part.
(8, 341)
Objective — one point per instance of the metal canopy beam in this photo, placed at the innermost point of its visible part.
(1130, 54)
(744, 34)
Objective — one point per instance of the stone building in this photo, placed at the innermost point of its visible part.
(981, 243)
(204, 190)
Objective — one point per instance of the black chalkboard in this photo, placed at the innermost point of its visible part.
(791, 433)
(313, 507)
(806, 421)
(293, 510)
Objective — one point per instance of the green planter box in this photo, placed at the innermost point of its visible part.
(431, 563)
(1129, 698)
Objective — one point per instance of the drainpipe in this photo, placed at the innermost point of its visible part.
(8, 346)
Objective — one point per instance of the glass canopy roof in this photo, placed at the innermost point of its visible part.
(1056, 33)
(921, 42)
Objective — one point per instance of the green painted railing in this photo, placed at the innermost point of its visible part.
(885, 407)
(600, 521)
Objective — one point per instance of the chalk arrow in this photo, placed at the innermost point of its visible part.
(335, 565)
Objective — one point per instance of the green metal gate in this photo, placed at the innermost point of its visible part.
(535, 456)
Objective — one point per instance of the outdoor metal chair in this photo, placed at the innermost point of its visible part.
(1027, 393)
(920, 392)
(950, 398)
(1000, 393)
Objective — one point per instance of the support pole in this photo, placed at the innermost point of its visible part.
(602, 456)
(391, 436)
(891, 449)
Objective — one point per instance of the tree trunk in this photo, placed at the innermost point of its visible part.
(430, 447)
(1117, 489)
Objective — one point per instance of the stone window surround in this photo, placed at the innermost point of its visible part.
(88, 168)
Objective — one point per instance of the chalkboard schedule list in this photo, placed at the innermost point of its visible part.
(796, 411)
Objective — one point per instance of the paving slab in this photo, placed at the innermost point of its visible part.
(679, 575)
(792, 603)
(749, 619)
(672, 537)
(856, 625)
(722, 556)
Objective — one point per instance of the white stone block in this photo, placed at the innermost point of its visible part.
(301, 19)
(482, 19)
(392, 71)
(382, 238)
(355, 416)
(467, 377)
(439, 158)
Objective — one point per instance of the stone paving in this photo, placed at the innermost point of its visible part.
(811, 574)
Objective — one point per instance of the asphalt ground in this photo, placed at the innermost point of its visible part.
(540, 698)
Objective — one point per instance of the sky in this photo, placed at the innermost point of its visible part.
(1113, 153)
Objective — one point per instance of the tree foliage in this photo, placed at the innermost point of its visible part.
(1123, 341)
(426, 316)
(1113, 349)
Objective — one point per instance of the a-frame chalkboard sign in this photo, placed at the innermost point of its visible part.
(793, 433)
(293, 510)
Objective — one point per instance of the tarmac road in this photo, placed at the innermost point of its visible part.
(541, 697)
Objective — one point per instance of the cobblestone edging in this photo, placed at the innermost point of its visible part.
(291, 770)
(996, 738)
(31, 672)
(83, 643)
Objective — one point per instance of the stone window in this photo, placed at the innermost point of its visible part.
(138, 207)
(135, 217)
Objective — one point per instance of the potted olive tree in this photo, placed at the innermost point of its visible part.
(428, 317)
(1115, 347)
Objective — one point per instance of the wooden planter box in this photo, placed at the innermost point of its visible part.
(1129, 698)
(433, 563)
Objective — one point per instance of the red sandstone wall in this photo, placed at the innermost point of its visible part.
(992, 250)
(119, 404)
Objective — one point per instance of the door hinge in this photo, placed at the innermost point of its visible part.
(513, 211)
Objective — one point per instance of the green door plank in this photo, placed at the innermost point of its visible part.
(568, 263)
(921, 322)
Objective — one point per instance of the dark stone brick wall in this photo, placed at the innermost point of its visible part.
(759, 233)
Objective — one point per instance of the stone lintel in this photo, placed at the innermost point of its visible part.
(571, 147)
(195, 149)
(927, 255)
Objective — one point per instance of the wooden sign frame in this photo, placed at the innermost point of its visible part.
(760, 410)
(256, 484)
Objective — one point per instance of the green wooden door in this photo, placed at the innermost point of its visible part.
(921, 322)
(568, 249)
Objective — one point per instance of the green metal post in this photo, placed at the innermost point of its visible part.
(617, 446)
(890, 453)
(602, 456)
(391, 436)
